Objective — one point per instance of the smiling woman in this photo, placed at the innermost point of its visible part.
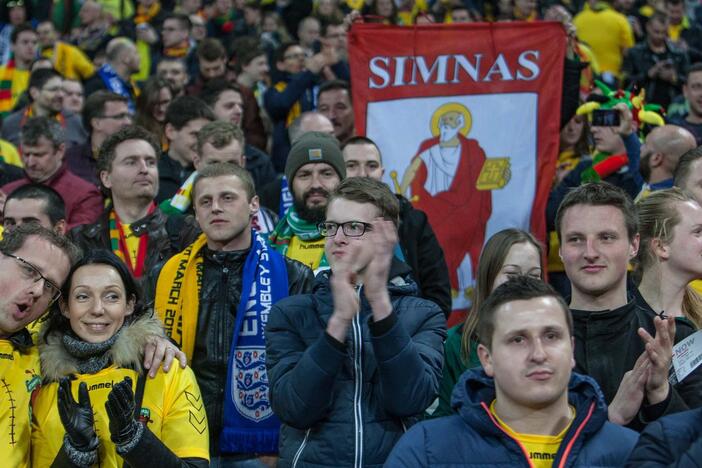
(92, 346)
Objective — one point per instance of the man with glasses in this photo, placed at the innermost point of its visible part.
(42, 155)
(214, 299)
(351, 364)
(104, 113)
(314, 168)
(45, 100)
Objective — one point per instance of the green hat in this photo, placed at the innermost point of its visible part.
(315, 147)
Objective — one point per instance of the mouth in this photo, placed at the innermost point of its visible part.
(22, 311)
(217, 221)
(96, 327)
(593, 268)
(539, 374)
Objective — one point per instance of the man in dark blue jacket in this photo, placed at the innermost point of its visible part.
(353, 363)
(674, 440)
(526, 408)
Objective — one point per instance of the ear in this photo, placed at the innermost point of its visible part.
(382, 171)
(105, 179)
(63, 307)
(572, 357)
(60, 227)
(656, 160)
(61, 150)
(33, 93)
(196, 161)
(660, 249)
(634, 247)
(485, 359)
(170, 132)
(130, 305)
(254, 205)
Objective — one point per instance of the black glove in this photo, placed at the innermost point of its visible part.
(120, 409)
(77, 418)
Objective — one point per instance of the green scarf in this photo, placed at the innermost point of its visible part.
(292, 225)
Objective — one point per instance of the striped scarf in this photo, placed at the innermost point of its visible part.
(118, 244)
(6, 74)
(145, 15)
(179, 51)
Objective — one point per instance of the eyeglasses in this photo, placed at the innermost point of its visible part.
(297, 56)
(349, 228)
(32, 273)
(12, 4)
(122, 116)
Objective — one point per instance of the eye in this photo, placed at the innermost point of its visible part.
(574, 239)
(517, 339)
(112, 297)
(80, 296)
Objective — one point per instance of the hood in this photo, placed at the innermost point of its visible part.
(474, 387)
(127, 351)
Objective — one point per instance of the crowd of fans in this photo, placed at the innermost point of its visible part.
(202, 266)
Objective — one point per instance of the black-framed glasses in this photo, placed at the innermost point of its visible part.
(349, 228)
(32, 273)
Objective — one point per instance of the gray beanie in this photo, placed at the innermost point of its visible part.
(315, 147)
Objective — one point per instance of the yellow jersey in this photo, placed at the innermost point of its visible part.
(608, 33)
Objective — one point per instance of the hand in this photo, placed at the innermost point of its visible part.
(383, 237)
(346, 301)
(660, 353)
(77, 418)
(668, 74)
(315, 63)
(120, 409)
(626, 120)
(159, 350)
(630, 393)
(329, 52)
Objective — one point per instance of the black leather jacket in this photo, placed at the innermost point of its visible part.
(219, 298)
(168, 235)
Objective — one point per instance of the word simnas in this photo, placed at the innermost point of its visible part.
(451, 69)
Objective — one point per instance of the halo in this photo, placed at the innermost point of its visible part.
(451, 107)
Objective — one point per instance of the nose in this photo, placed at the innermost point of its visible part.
(590, 249)
(538, 353)
(340, 237)
(97, 308)
(37, 288)
(143, 168)
(215, 207)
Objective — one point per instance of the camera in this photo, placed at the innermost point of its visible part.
(605, 118)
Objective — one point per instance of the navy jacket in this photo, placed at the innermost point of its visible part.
(471, 438)
(674, 440)
(348, 404)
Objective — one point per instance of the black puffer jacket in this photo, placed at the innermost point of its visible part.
(219, 298)
(347, 405)
(168, 235)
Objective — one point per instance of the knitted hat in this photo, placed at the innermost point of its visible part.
(315, 147)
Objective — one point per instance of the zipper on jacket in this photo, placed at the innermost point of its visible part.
(296, 458)
(569, 447)
(358, 386)
(523, 449)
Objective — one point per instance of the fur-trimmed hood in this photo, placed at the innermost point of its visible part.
(128, 350)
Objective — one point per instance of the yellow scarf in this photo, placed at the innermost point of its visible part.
(144, 15)
(178, 295)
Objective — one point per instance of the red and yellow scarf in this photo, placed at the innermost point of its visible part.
(118, 243)
(145, 15)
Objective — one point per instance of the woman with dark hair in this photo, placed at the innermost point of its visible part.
(95, 403)
(151, 104)
(510, 252)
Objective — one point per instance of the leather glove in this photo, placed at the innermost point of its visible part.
(120, 409)
(77, 418)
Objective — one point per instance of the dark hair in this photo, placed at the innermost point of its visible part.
(183, 19)
(55, 207)
(215, 87)
(146, 102)
(219, 134)
(600, 194)
(40, 77)
(328, 24)
(359, 140)
(333, 85)
(367, 190)
(492, 258)
(211, 49)
(682, 170)
(19, 29)
(185, 109)
(130, 132)
(57, 322)
(37, 127)
(223, 170)
(14, 240)
(246, 49)
(282, 49)
(694, 68)
(95, 106)
(521, 288)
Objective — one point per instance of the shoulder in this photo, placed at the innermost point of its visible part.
(611, 445)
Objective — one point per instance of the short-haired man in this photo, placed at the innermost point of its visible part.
(692, 90)
(418, 246)
(619, 340)
(526, 406)
(175, 71)
(66, 58)
(349, 363)
(35, 203)
(311, 121)
(214, 298)
(185, 116)
(175, 36)
(309, 31)
(674, 440)
(688, 173)
(15, 73)
(104, 113)
(230, 104)
(45, 100)
(122, 61)
(212, 63)
(660, 154)
(313, 169)
(132, 226)
(73, 96)
(218, 142)
(43, 148)
(334, 101)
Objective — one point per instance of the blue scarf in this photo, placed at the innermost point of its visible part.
(249, 423)
(286, 198)
(115, 84)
